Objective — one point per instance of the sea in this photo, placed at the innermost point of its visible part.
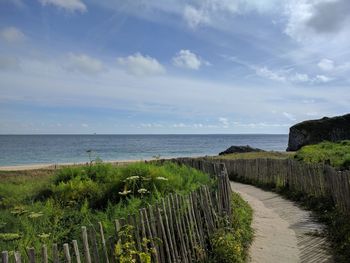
(55, 149)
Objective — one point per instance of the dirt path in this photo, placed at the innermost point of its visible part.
(283, 231)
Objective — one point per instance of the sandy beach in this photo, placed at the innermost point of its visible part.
(56, 166)
(47, 166)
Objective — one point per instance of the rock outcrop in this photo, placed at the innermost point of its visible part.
(316, 131)
(240, 149)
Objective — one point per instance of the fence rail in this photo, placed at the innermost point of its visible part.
(316, 180)
(182, 224)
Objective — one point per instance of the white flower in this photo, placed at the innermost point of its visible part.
(142, 191)
(125, 192)
(133, 178)
(161, 178)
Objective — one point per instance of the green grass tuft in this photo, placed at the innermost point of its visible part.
(255, 155)
(336, 154)
(41, 208)
(231, 244)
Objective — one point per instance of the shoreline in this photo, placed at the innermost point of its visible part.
(53, 166)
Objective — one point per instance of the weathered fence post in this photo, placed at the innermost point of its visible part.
(55, 256)
(18, 258)
(86, 245)
(76, 251)
(5, 257)
(31, 255)
(44, 254)
(66, 253)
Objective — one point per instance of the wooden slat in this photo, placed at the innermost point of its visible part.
(44, 255)
(103, 241)
(93, 244)
(5, 257)
(67, 253)
(18, 258)
(55, 255)
(76, 251)
(31, 255)
(87, 255)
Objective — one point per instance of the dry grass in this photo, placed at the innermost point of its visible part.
(256, 155)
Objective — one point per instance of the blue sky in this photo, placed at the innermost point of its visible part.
(172, 66)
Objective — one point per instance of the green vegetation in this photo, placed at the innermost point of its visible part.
(127, 252)
(255, 155)
(336, 154)
(50, 209)
(230, 244)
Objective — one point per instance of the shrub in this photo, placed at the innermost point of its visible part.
(230, 244)
(336, 154)
(52, 209)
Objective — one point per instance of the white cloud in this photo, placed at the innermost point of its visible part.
(12, 34)
(84, 64)
(289, 116)
(300, 77)
(69, 5)
(224, 121)
(269, 74)
(326, 64)
(195, 17)
(333, 67)
(322, 78)
(140, 65)
(289, 76)
(84, 125)
(179, 125)
(186, 59)
(313, 19)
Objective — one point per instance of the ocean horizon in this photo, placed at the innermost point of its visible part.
(72, 148)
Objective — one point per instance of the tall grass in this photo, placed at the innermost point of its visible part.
(51, 209)
(336, 154)
(255, 155)
(231, 243)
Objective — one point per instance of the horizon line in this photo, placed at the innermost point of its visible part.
(30, 134)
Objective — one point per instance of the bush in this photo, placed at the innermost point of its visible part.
(52, 209)
(230, 244)
(335, 154)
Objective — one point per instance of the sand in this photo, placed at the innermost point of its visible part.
(284, 232)
(55, 166)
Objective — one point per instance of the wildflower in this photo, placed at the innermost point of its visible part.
(9, 236)
(131, 178)
(44, 235)
(142, 191)
(125, 192)
(35, 214)
(19, 210)
(161, 178)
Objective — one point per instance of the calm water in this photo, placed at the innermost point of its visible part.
(33, 149)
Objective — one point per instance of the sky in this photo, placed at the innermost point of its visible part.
(171, 66)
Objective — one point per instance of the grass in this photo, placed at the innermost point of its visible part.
(336, 154)
(230, 244)
(255, 155)
(47, 208)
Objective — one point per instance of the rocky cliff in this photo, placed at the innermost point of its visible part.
(240, 149)
(315, 131)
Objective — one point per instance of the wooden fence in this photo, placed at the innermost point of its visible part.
(315, 180)
(177, 229)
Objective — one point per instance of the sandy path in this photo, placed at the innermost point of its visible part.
(283, 231)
